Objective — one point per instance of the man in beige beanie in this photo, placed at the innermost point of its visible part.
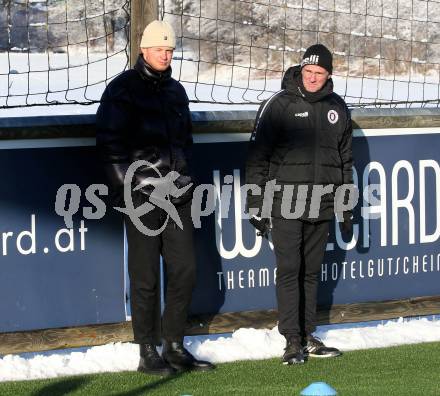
(157, 45)
(144, 115)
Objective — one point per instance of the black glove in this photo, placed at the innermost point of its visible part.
(181, 182)
(346, 226)
(262, 225)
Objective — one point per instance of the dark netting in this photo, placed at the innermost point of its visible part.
(60, 51)
(386, 52)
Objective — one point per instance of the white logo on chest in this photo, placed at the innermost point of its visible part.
(305, 114)
(332, 116)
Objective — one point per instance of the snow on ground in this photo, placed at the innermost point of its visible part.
(243, 344)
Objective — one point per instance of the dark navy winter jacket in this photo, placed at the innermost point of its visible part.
(300, 140)
(144, 115)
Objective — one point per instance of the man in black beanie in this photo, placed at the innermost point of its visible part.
(302, 138)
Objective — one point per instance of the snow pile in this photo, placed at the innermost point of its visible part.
(243, 344)
(104, 358)
(254, 344)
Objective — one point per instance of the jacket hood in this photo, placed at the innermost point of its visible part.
(292, 82)
(148, 73)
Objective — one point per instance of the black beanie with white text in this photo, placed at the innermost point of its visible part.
(319, 55)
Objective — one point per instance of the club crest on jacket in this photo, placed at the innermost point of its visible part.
(332, 116)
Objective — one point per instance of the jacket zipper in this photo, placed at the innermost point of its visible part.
(318, 118)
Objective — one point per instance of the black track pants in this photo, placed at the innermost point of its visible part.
(177, 249)
(299, 249)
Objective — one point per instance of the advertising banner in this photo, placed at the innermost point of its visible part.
(52, 275)
(395, 249)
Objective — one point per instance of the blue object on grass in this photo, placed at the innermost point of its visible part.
(318, 389)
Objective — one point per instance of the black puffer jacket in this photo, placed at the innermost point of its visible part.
(301, 140)
(144, 115)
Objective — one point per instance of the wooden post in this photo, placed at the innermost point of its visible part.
(142, 12)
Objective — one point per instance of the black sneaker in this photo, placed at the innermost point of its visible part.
(293, 352)
(314, 347)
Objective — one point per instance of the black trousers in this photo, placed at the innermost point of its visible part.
(177, 250)
(299, 249)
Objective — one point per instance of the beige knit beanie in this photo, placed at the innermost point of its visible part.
(158, 34)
